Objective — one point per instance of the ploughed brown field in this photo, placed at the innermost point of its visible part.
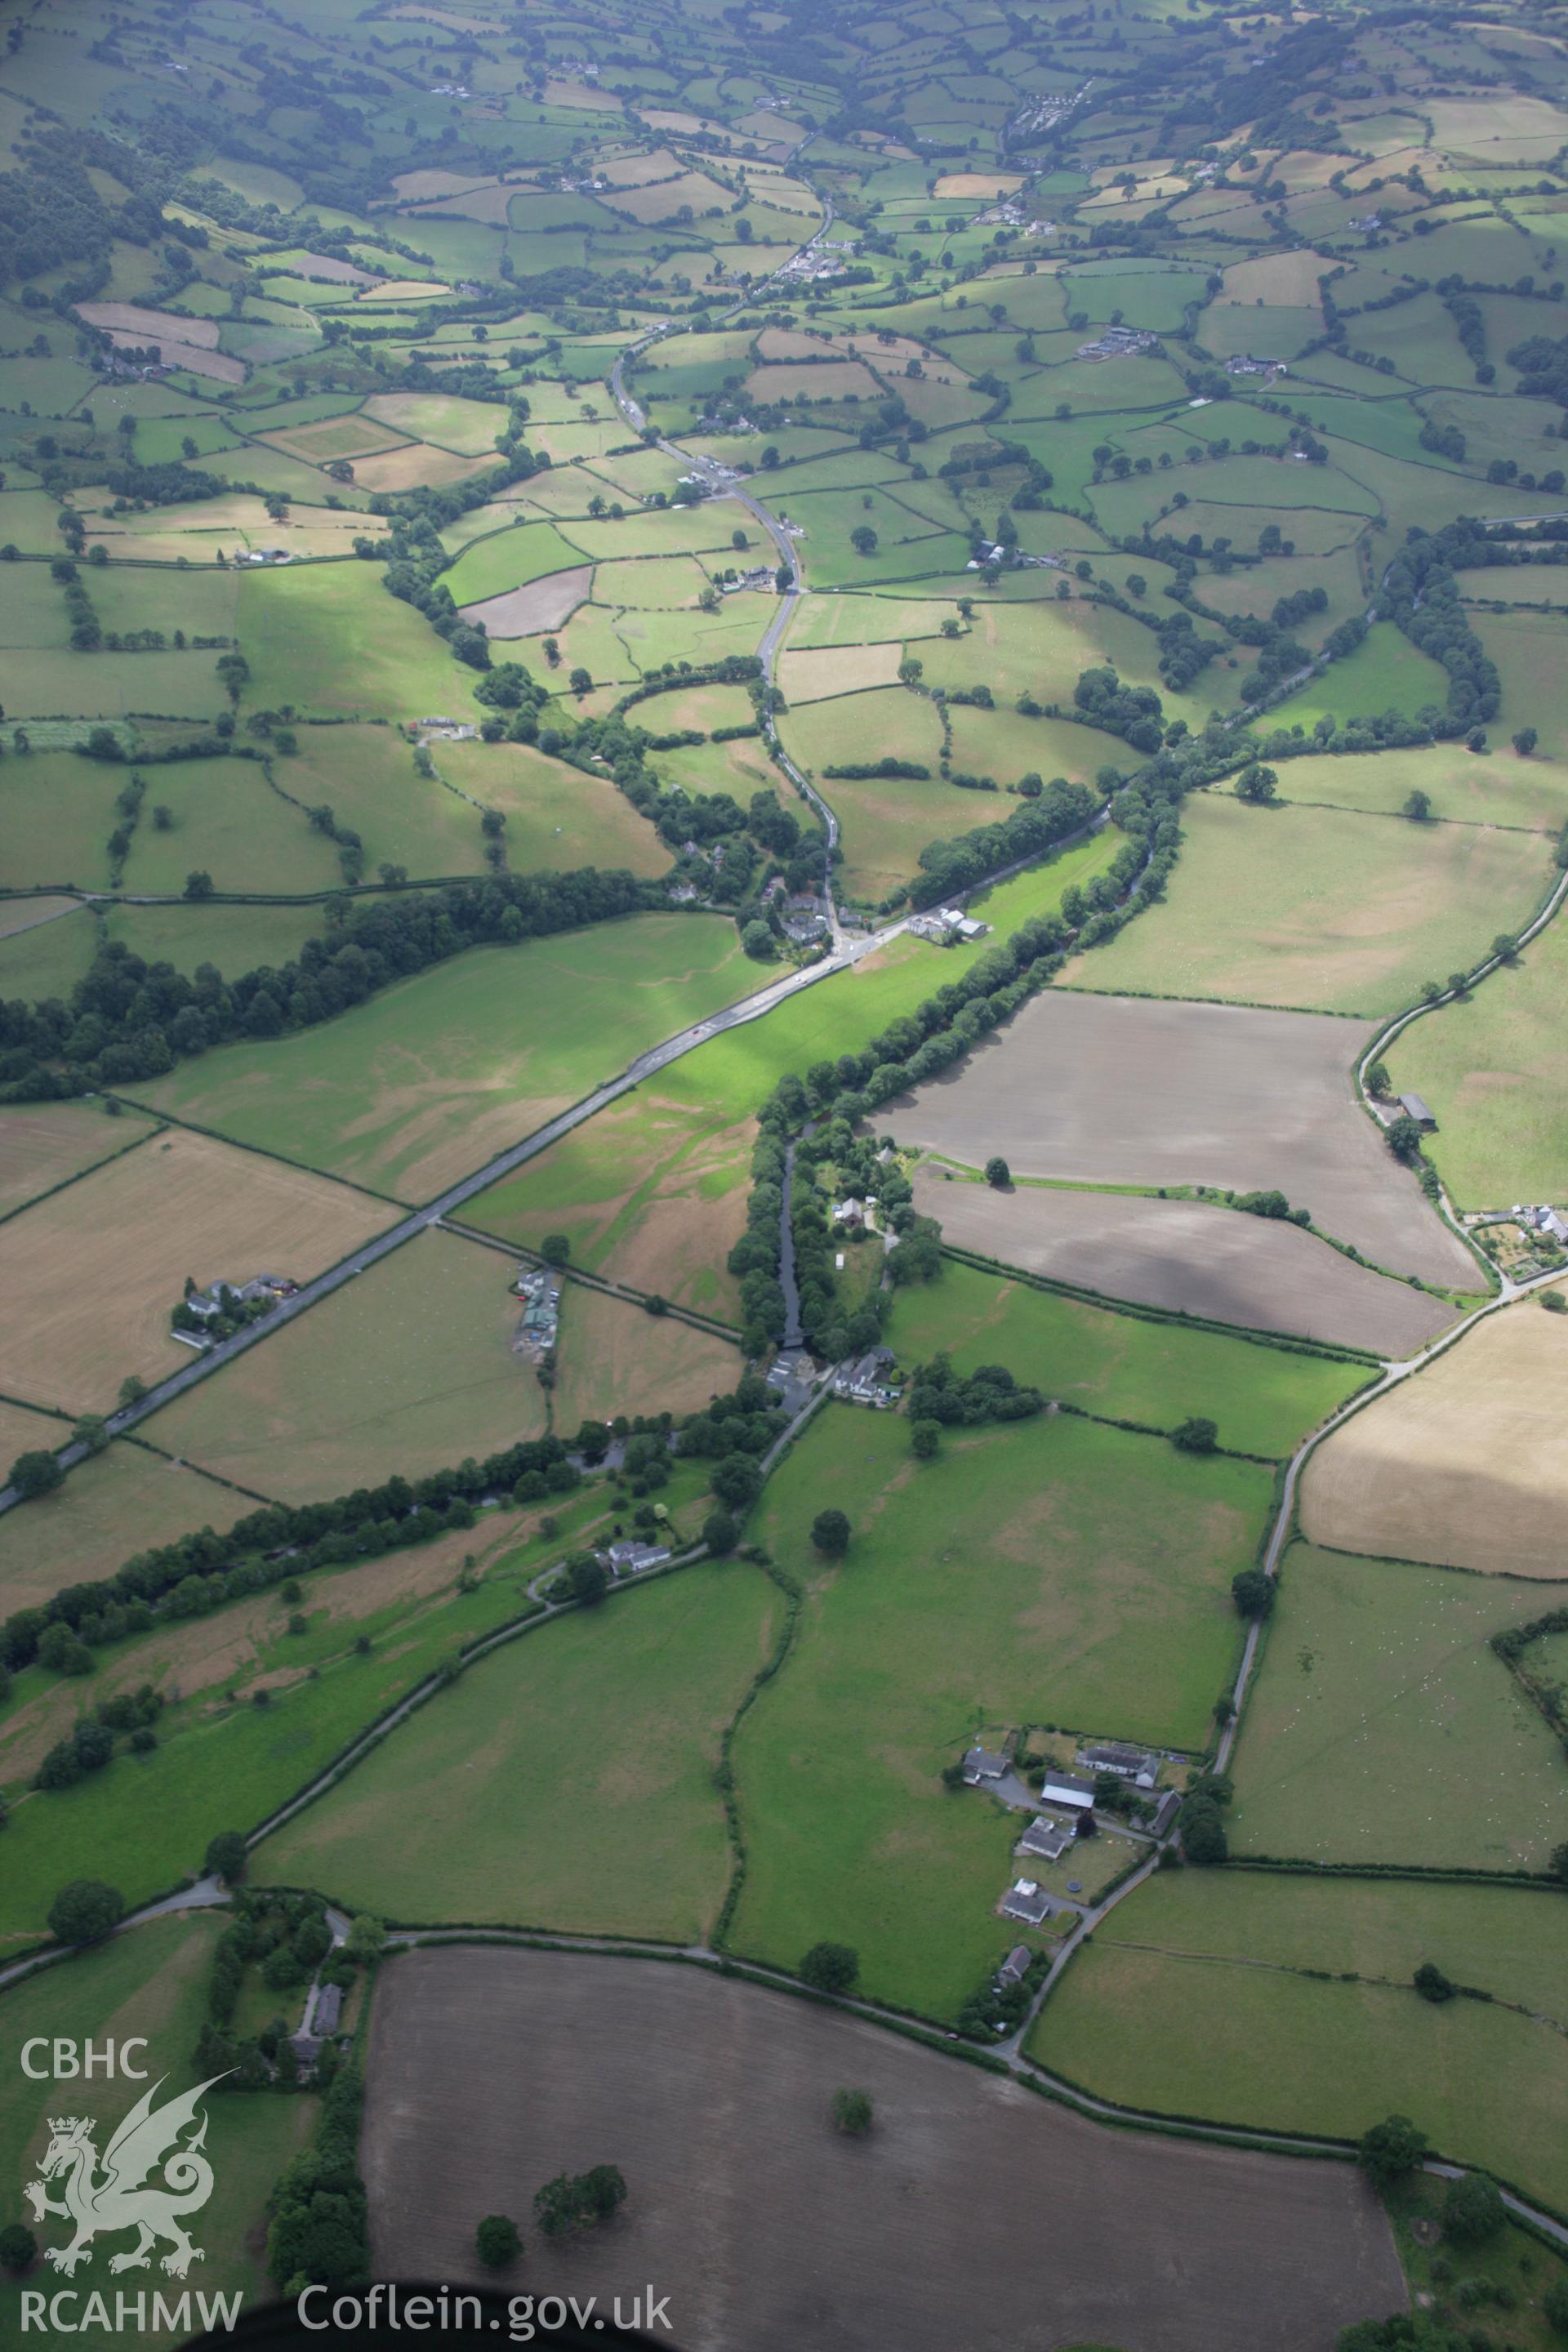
(1189, 1256)
(1117, 1089)
(974, 2214)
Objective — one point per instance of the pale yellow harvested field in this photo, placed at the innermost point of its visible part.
(404, 290)
(415, 187)
(830, 380)
(813, 676)
(335, 437)
(417, 467)
(90, 1275)
(43, 1143)
(791, 343)
(978, 183)
(122, 1502)
(1465, 1465)
(1291, 279)
(636, 170)
(664, 198)
(151, 326)
(581, 94)
(410, 1366)
(616, 1357)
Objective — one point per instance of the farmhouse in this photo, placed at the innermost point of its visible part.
(1025, 1901)
(631, 1559)
(866, 1382)
(1015, 1968)
(1134, 1764)
(983, 1764)
(1546, 1222)
(943, 923)
(1416, 1106)
(1048, 1839)
(1067, 1789)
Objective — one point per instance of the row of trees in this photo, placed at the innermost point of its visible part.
(128, 1019)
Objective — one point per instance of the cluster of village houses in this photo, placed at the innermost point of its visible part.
(944, 924)
(1064, 1800)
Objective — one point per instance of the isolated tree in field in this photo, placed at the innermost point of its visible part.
(555, 1249)
(1257, 784)
(498, 2241)
(577, 2200)
(1525, 741)
(1473, 2210)
(19, 2249)
(925, 1439)
(852, 2113)
(1418, 805)
(1404, 1137)
(863, 540)
(581, 680)
(831, 1968)
(198, 885)
(1195, 1435)
(1253, 1592)
(1391, 2149)
(998, 1173)
(36, 1472)
(226, 1856)
(830, 1534)
(85, 1911)
(1432, 1984)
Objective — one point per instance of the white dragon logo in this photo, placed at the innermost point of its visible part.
(143, 2142)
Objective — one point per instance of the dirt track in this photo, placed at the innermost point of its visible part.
(976, 2215)
(1187, 1255)
(1115, 1089)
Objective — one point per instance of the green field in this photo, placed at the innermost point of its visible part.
(226, 1762)
(429, 1078)
(1322, 910)
(1462, 787)
(1191, 2001)
(122, 1501)
(508, 558)
(1386, 672)
(1118, 1366)
(1051, 1571)
(152, 1983)
(486, 1807)
(1491, 1068)
(329, 639)
(1377, 1684)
